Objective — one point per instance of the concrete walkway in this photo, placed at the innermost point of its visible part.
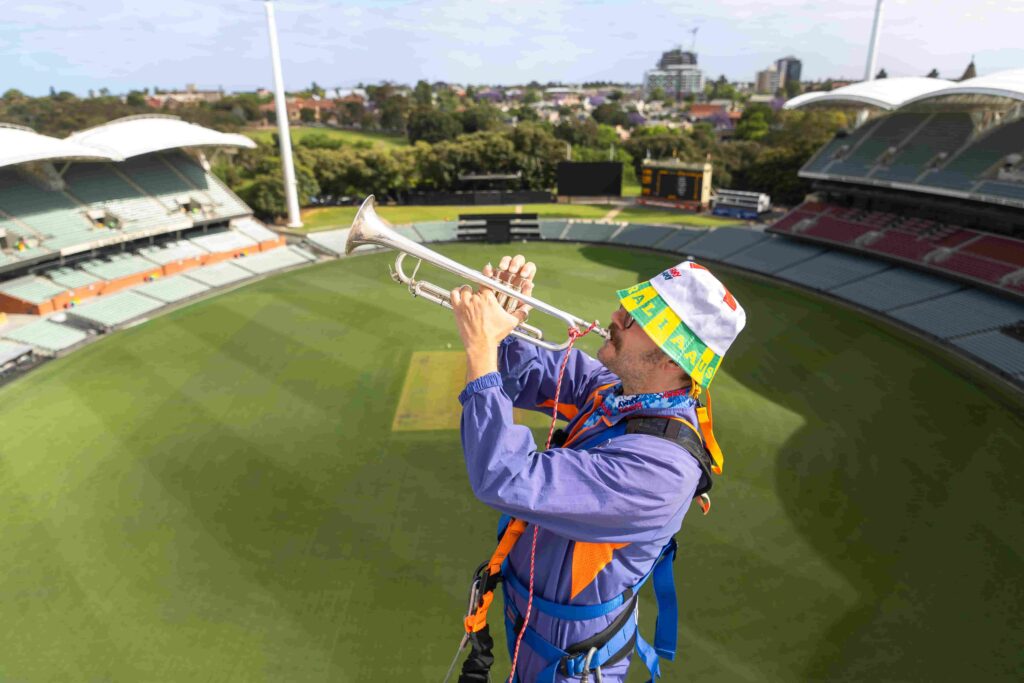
(612, 214)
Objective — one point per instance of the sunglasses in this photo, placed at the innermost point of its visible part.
(629, 319)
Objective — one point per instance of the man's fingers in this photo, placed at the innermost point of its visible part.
(503, 263)
(516, 264)
(456, 296)
(528, 271)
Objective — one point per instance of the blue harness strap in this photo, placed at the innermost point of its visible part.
(666, 628)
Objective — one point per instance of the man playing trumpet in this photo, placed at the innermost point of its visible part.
(604, 502)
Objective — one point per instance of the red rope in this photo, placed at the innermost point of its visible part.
(574, 334)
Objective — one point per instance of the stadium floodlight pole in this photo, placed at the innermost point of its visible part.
(876, 34)
(291, 194)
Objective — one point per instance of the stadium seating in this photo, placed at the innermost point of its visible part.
(275, 259)
(72, 278)
(824, 158)
(960, 313)
(224, 242)
(119, 266)
(183, 250)
(36, 213)
(773, 255)
(1000, 189)
(437, 231)
(159, 180)
(103, 186)
(107, 312)
(679, 238)
(171, 289)
(254, 230)
(11, 352)
(552, 230)
(832, 269)
(964, 169)
(996, 348)
(35, 290)
(723, 242)
(942, 134)
(589, 231)
(219, 274)
(866, 151)
(894, 287)
(47, 335)
(224, 203)
(637, 235)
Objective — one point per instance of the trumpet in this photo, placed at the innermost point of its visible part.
(369, 228)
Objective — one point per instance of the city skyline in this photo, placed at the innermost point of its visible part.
(72, 46)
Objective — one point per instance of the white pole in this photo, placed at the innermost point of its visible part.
(287, 165)
(869, 73)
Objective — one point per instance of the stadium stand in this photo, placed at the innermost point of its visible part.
(679, 238)
(257, 232)
(437, 231)
(225, 244)
(960, 313)
(11, 352)
(330, 241)
(102, 187)
(773, 255)
(121, 271)
(32, 295)
(224, 203)
(894, 287)
(963, 170)
(175, 257)
(588, 231)
(107, 312)
(721, 243)
(172, 289)
(277, 259)
(832, 269)
(47, 336)
(867, 151)
(552, 230)
(941, 134)
(219, 274)
(997, 348)
(638, 235)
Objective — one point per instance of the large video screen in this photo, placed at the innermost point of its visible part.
(590, 178)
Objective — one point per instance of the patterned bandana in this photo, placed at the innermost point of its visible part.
(617, 405)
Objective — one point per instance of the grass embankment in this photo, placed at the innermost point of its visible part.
(348, 137)
(217, 494)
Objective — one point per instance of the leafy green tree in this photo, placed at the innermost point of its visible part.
(792, 89)
(315, 89)
(422, 94)
(755, 122)
(431, 125)
(393, 113)
(611, 114)
(479, 117)
(307, 115)
(658, 94)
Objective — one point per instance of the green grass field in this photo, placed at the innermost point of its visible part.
(349, 137)
(217, 495)
(331, 217)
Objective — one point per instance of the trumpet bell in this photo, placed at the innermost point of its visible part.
(366, 226)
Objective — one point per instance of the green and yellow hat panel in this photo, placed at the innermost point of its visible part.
(669, 332)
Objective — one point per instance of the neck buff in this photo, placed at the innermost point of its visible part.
(617, 405)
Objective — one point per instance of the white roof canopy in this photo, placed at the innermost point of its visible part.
(882, 93)
(135, 135)
(1002, 85)
(19, 145)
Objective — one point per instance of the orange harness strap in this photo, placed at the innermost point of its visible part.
(478, 619)
(704, 416)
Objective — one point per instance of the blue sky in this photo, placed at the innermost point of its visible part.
(79, 45)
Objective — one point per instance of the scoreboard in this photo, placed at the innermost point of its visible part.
(677, 182)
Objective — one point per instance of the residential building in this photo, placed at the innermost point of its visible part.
(677, 74)
(768, 81)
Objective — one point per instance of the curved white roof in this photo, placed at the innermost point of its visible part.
(19, 145)
(1007, 84)
(883, 93)
(135, 135)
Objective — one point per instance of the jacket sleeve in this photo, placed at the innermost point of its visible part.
(530, 374)
(628, 489)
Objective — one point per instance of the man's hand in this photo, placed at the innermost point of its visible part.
(516, 272)
(482, 324)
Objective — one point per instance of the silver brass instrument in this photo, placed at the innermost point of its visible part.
(369, 228)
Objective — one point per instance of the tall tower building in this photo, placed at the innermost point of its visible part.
(677, 74)
(789, 69)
